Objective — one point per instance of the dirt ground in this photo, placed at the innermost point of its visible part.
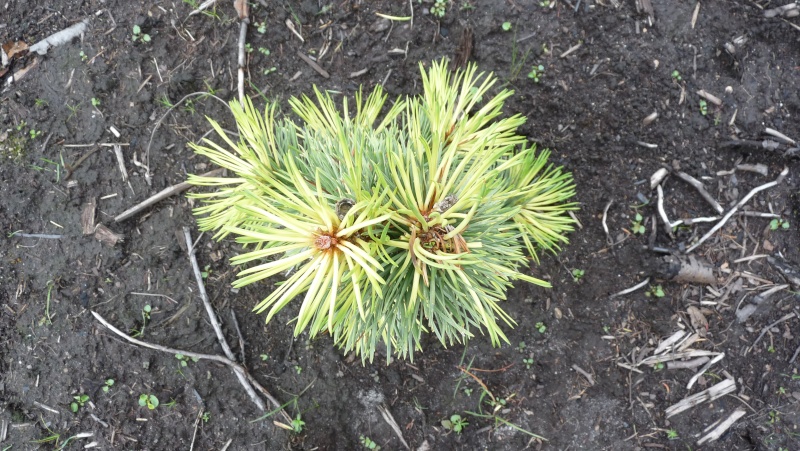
(588, 74)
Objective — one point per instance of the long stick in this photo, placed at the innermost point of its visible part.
(212, 316)
(161, 195)
(197, 355)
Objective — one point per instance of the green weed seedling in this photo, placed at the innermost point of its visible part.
(577, 274)
(703, 107)
(367, 443)
(298, 369)
(78, 402)
(264, 51)
(261, 27)
(778, 224)
(439, 8)
(636, 225)
(655, 291)
(672, 434)
(83, 56)
(774, 417)
(138, 36)
(506, 26)
(456, 423)
(95, 102)
(205, 416)
(676, 75)
(298, 424)
(521, 346)
(184, 361)
(145, 319)
(540, 326)
(148, 400)
(107, 384)
(528, 363)
(536, 73)
(264, 357)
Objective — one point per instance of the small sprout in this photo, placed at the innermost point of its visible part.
(540, 327)
(248, 48)
(781, 391)
(439, 8)
(658, 366)
(34, 133)
(703, 107)
(528, 363)
(205, 417)
(778, 223)
(264, 357)
(107, 385)
(78, 402)
(506, 26)
(205, 272)
(297, 424)
(148, 400)
(83, 56)
(95, 102)
(672, 434)
(262, 27)
(607, 329)
(774, 417)
(467, 391)
(521, 346)
(536, 73)
(367, 443)
(185, 360)
(298, 369)
(456, 423)
(544, 3)
(264, 51)
(676, 75)
(655, 291)
(636, 224)
(771, 349)
(577, 274)
(269, 70)
(139, 36)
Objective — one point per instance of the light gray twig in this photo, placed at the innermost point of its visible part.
(736, 207)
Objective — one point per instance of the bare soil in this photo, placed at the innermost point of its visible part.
(605, 68)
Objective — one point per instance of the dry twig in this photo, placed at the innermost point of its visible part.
(161, 195)
(736, 207)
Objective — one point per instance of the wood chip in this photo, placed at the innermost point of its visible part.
(722, 427)
(106, 236)
(88, 216)
(313, 64)
(710, 394)
(698, 320)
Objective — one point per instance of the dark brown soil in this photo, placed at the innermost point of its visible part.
(588, 107)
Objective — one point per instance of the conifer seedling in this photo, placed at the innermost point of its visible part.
(385, 222)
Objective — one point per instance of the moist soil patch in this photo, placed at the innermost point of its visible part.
(610, 87)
